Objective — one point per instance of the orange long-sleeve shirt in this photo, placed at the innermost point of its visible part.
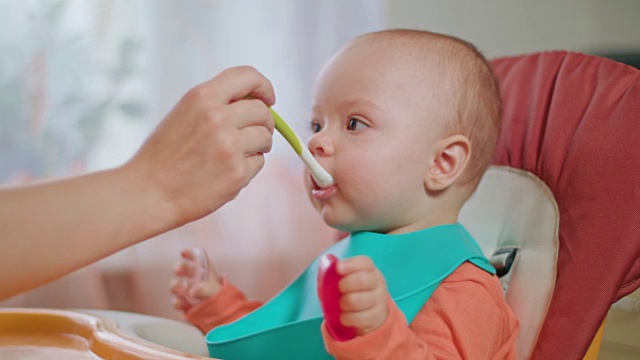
(465, 318)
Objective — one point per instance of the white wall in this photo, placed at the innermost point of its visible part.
(506, 27)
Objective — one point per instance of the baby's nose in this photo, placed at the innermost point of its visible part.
(320, 144)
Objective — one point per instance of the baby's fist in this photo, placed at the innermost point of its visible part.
(364, 294)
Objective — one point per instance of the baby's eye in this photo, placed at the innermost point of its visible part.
(355, 124)
(315, 127)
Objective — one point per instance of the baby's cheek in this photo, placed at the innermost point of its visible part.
(307, 183)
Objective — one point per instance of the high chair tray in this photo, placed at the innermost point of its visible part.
(60, 334)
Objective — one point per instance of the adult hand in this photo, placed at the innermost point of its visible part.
(200, 156)
(211, 144)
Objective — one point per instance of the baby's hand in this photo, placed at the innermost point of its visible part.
(197, 279)
(364, 294)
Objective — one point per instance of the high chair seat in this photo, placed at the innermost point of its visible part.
(573, 121)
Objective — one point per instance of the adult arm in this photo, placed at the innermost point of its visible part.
(199, 157)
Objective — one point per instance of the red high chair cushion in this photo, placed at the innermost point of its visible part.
(573, 120)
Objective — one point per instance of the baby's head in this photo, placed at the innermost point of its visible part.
(406, 121)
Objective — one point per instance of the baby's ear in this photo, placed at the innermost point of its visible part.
(450, 157)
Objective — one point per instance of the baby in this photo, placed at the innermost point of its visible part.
(406, 121)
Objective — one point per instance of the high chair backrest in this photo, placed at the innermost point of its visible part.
(573, 121)
(514, 213)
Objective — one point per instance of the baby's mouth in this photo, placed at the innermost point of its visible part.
(322, 193)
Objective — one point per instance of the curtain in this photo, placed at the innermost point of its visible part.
(83, 82)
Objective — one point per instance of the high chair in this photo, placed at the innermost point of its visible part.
(562, 202)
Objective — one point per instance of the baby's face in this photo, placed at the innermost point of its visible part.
(373, 130)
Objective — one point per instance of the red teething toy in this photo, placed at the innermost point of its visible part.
(329, 295)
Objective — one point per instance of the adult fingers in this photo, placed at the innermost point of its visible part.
(254, 164)
(251, 112)
(238, 82)
(255, 140)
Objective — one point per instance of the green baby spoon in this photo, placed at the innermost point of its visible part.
(319, 174)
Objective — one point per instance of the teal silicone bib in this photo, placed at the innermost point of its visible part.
(288, 326)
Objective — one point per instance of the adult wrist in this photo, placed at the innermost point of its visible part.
(158, 210)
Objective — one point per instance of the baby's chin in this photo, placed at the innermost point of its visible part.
(368, 228)
(344, 219)
(338, 224)
(350, 226)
